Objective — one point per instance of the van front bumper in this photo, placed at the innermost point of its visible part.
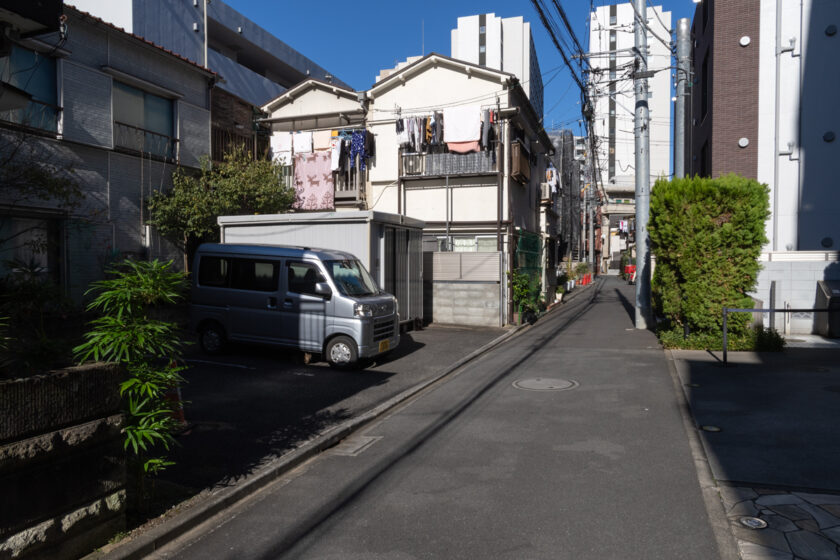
(378, 341)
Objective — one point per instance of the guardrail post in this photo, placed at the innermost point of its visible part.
(724, 335)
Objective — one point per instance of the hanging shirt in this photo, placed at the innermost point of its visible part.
(335, 153)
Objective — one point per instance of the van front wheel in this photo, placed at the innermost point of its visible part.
(341, 352)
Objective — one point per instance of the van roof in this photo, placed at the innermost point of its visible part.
(274, 251)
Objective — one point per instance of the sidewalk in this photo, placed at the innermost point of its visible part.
(768, 424)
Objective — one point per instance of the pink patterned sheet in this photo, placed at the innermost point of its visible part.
(314, 188)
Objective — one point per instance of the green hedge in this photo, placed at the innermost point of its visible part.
(707, 236)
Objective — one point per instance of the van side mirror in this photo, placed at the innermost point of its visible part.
(323, 289)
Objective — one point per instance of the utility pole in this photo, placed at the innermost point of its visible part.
(683, 69)
(591, 230)
(642, 133)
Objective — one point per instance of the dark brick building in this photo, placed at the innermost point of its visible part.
(723, 104)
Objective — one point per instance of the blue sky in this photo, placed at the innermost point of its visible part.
(355, 40)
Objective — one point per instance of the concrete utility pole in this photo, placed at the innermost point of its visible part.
(591, 229)
(683, 69)
(642, 133)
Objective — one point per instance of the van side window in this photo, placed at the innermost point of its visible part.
(213, 271)
(302, 277)
(260, 276)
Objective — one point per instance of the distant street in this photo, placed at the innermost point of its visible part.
(477, 467)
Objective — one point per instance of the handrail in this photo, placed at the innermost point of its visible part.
(727, 310)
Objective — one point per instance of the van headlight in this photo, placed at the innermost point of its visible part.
(362, 310)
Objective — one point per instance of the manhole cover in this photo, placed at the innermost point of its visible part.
(753, 523)
(545, 384)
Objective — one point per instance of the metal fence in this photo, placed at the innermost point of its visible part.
(728, 310)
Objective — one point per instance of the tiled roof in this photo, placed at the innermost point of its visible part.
(142, 39)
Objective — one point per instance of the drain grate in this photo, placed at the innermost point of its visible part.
(545, 384)
(753, 522)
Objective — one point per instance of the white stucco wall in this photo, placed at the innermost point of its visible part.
(659, 103)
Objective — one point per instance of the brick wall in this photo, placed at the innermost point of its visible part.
(62, 466)
(735, 92)
(731, 81)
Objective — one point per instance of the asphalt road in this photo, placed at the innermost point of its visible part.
(478, 468)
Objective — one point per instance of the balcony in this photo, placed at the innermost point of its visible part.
(447, 164)
(36, 115)
(349, 186)
(145, 142)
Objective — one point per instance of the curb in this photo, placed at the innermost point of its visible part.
(218, 501)
(726, 543)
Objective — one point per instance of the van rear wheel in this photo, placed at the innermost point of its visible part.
(342, 352)
(212, 338)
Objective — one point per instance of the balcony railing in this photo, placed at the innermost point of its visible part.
(430, 165)
(144, 141)
(223, 141)
(349, 185)
(36, 114)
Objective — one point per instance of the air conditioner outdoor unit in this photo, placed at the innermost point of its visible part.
(545, 191)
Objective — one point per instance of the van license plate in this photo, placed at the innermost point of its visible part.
(384, 345)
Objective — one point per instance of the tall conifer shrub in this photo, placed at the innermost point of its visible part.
(707, 236)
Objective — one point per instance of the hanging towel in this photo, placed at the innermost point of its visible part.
(313, 182)
(281, 147)
(303, 142)
(321, 139)
(463, 147)
(463, 124)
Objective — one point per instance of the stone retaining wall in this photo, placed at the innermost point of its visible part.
(462, 303)
(62, 465)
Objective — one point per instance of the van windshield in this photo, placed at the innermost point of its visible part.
(351, 278)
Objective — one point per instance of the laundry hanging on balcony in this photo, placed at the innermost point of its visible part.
(314, 187)
(473, 131)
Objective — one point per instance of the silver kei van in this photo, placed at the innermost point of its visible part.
(315, 300)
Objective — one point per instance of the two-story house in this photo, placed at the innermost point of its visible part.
(449, 142)
(111, 111)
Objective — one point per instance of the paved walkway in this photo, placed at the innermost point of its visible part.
(768, 424)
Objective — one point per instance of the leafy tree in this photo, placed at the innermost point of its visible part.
(126, 333)
(241, 184)
(707, 236)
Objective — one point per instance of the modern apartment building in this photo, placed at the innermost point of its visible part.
(503, 44)
(611, 42)
(763, 104)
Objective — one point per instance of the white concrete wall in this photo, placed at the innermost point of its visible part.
(804, 200)
(796, 275)
(659, 103)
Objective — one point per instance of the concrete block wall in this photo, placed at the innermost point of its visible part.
(796, 286)
(62, 465)
(462, 303)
